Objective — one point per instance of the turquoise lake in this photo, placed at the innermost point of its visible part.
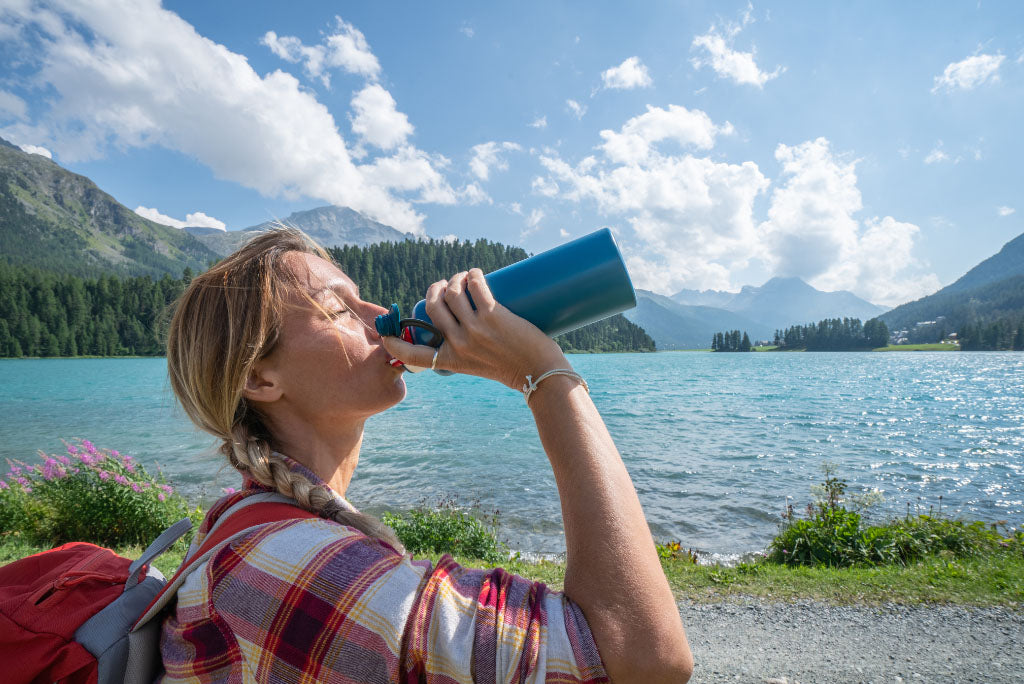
(715, 443)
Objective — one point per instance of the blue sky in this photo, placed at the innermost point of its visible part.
(862, 146)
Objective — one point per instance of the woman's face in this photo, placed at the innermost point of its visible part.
(328, 359)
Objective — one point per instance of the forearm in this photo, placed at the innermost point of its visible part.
(612, 567)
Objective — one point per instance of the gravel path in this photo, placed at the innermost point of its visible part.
(809, 642)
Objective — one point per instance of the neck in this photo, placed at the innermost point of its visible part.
(332, 454)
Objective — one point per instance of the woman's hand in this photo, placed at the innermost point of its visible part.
(489, 341)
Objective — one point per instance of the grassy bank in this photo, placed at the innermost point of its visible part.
(986, 581)
(833, 553)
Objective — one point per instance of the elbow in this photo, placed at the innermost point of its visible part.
(666, 668)
(677, 671)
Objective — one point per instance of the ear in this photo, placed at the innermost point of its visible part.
(262, 384)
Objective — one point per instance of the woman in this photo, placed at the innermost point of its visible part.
(273, 351)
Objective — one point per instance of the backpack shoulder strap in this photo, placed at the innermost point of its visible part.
(235, 522)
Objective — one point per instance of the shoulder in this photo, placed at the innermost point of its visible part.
(313, 561)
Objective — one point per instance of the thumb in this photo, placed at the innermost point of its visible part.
(410, 354)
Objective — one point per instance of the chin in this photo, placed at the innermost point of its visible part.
(399, 390)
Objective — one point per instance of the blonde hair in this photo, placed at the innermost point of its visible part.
(226, 320)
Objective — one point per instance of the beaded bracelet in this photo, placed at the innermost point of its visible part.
(531, 384)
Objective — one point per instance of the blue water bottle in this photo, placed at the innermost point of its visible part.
(559, 290)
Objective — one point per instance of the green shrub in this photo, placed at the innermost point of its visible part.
(833, 536)
(447, 528)
(88, 494)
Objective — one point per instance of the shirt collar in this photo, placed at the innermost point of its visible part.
(296, 467)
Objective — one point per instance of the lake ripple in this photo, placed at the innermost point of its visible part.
(715, 443)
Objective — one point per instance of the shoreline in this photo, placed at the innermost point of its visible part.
(985, 581)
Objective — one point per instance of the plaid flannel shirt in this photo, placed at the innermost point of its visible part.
(315, 601)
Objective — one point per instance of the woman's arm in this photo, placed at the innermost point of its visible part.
(612, 567)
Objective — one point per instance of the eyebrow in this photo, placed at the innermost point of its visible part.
(337, 284)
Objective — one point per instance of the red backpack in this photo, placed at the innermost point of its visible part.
(81, 613)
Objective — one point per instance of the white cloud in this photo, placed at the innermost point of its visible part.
(727, 62)
(1005, 211)
(196, 219)
(12, 105)
(632, 73)
(539, 122)
(489, 155)
(291, 49)
(474, 194)
(562, 232)
(544, 186)
(467, 30)
(633, 142)
(936, 156)
(36, 149)
(969, 73)
(411, 170)
(532, 223)
(576, 108)
(535, 217)
(376, 119)
(811, 231)
(516, 208)
(346, 49)
(693, 218)
(129, 73)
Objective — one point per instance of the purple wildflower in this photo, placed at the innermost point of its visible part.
(88, 446)
(161, 496)
(120, 479)
(64, 459)
(15, 470)
(104, 475)
(72, 450)
(130, 467)
(136, 488)
(115, 452)
(167, 488)
(51, 470)
(4, 485)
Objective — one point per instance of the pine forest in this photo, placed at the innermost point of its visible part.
(48, 314)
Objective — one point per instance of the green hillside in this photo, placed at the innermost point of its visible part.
(61, 222)
(994, 289)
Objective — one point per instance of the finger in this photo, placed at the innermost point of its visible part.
(455, 297)
(480, 290)
(438, 310)
(410, 354)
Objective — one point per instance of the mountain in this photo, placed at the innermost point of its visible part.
(59, 221)
(993, 289)
(330, 226)
(717, 298)
(782, 302)
(1008, 262)
(680, 326)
